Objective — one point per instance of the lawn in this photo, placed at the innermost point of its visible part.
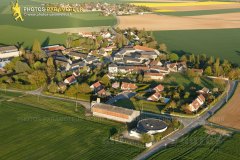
(133, 103)
(176, 79)
(221, 43)
(28, 130)
(200, 145)
(199, 12)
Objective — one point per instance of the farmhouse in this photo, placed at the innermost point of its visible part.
(128, 86)
(114, 113)
(198, 102)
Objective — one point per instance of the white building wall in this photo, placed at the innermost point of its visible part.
(10, 54)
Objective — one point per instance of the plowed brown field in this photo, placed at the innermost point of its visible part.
(229, 115)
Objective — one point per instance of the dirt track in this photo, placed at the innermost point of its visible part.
(164, 22)
(229, 115)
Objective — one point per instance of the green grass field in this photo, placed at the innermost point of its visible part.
(29, 130)
(200, 145)
(13, 35)
(28, 30)
(223, 43)
(201, 12)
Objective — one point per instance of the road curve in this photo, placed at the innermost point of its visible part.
(201, 120)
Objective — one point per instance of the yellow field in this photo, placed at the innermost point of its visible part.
(164, 10)
(182, 4)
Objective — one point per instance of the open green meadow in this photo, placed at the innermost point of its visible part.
(34, 130)
(223, 43)
(200, 145)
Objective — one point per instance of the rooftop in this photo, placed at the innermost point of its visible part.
(115, 109)
(150, 124)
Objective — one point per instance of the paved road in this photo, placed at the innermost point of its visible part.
(38, 92)
(189, 125)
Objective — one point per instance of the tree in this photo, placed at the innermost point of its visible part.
(84, 88)
(36, 48)
(21, 67)
(58, 77)
(50, 68)
(197, 80)
(176, 95)
(172, 105)
(53, 88)
(158, 137)
(216, 67)
(105, 80)
(208, 71)
(37, 65)
(192, 58)
(226, 66)
(163, 47)
(173, 57)
(72, 91)
(146, 138)
(183, 58)
(186, 95)
(37, 78)
(181, 88)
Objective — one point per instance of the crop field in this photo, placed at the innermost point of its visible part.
(30, 131)
(221, 43)
(200, 145)
(188, 6)
(229, 115)
(198, 12)
(32, 24)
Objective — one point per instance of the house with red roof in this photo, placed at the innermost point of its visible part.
(143, 48)
(153, 76)
(155, 97)
(197, 103)
(102, 92)
(128, 86)
(97, 86)
(53, 48)
(70, 80)
(159, 88)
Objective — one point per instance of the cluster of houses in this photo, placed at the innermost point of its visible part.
(140, 59)
(108, 9)
(157, 95)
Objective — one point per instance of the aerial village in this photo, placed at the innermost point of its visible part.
(120, 64)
